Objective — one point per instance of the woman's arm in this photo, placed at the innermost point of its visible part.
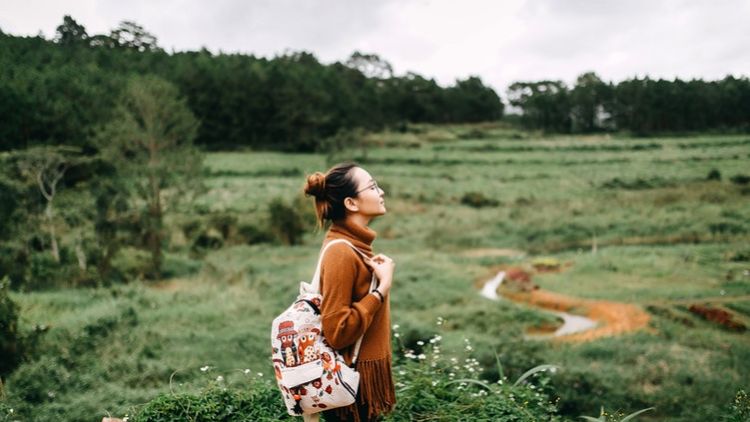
(344, 321)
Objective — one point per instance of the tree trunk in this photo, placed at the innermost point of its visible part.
(154, 227)
(81, 255)
(52, 234)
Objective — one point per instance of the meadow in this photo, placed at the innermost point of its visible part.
(662, 223)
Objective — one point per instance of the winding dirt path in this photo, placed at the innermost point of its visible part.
(614, 317)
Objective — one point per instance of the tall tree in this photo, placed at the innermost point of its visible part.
(70, 32)
(371, 65)
(588, 100)
(131, 35)
(150, 140)
(545, 104)
(47, 166)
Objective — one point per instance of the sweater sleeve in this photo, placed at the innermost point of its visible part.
(344, 321)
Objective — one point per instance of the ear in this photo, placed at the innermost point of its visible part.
(351, 204)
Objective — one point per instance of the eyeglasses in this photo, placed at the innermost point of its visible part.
(374, 185)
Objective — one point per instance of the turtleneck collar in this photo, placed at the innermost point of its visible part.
(360, 236)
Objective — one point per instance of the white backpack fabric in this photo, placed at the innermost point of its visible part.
(311, 375)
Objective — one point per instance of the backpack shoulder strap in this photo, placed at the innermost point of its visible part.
(315, 282)
(314, 286)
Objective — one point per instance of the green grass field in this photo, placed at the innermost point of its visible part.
(666, 237)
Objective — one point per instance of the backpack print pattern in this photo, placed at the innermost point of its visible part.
(311, 375)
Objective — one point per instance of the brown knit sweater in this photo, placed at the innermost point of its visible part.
(349, 310)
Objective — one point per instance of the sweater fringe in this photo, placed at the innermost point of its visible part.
(376, 391)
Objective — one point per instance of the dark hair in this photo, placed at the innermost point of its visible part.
(330, 190)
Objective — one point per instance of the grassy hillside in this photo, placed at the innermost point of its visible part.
(635, 220)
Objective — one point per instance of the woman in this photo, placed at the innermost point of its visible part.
(349, 198)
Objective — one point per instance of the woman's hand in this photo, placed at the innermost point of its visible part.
(383, 267)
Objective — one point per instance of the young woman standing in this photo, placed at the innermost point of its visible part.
(348, 198)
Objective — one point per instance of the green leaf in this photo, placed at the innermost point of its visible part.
(634, 414)
(533, 371)
(471, 381)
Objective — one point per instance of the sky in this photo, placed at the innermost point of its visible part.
(501, 41)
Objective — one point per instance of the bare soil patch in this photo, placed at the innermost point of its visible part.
(615, 318)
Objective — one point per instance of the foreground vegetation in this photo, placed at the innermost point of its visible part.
(662, 223)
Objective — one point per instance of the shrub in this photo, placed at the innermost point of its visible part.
(286, 221)
(262, 402)
(478, 200)
(209, 239)
(40, 381)
(129, 264)
(7, 413)
(740, 409)
(714, 174)
(739, 256)
(225, 223)
(10, 347)
(251, 234)
(431, 386)
(740, 179)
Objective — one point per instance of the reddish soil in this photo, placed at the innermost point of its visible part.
(614, 317)
(718, 316)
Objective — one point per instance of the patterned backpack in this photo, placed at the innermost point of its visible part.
(311, 375)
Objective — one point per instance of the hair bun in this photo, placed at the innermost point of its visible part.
(316, 185)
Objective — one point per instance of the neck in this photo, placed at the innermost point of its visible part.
(358, 219)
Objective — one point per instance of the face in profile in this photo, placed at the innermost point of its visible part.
(370, 198)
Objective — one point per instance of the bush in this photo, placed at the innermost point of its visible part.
(7, 413)
(10, 346)
(129, 264)
(209, 239)
(740, 179)
(287, 222)
(714, 175)
(429, 386)
(478, 200)
(225, 223)
(251, 234)
(740, 408)
(261, 402)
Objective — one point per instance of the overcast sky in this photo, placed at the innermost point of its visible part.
(501, 41)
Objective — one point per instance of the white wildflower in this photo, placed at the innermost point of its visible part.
(205, 368)
(422, 356)
(246, 371)
(219, 379)
(395, 326)
(420, 342)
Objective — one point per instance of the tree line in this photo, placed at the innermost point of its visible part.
(58, 91)
(642, 106)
